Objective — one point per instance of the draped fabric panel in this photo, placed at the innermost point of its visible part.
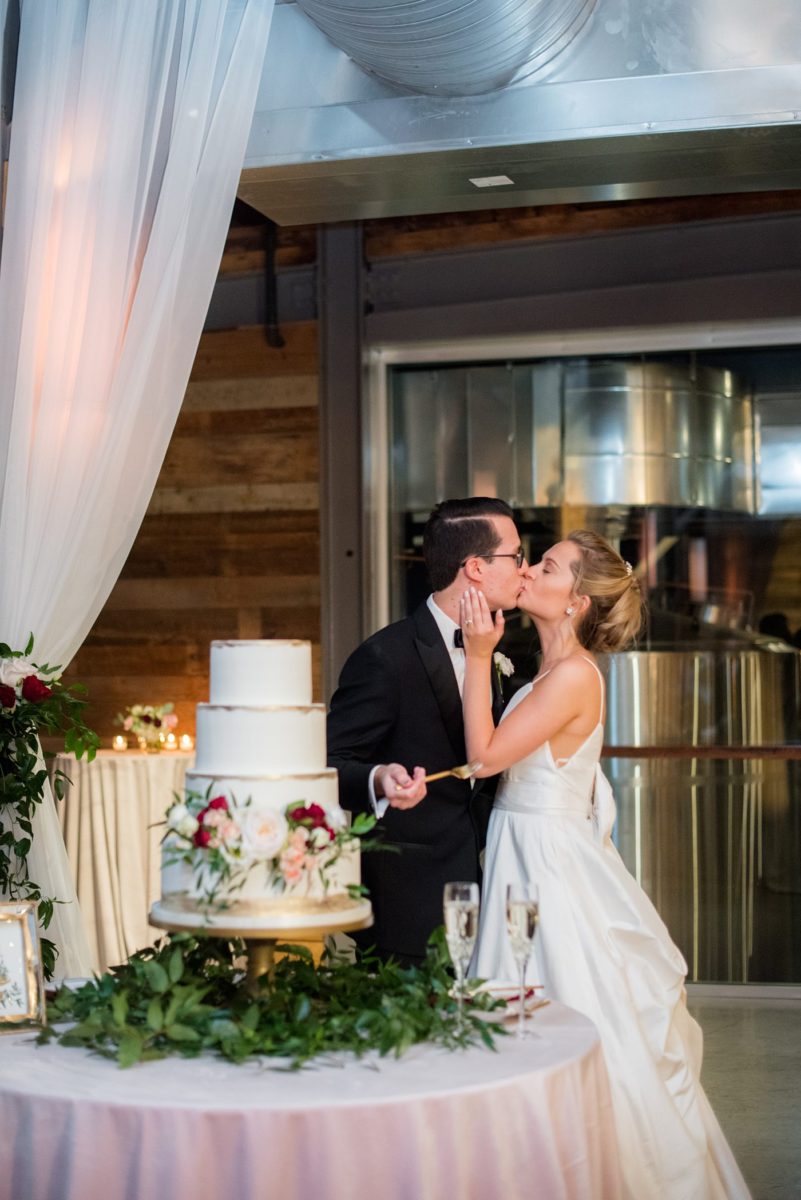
(128, 133)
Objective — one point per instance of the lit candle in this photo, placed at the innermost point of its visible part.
(186, 742)
(170, 743)
(119, 742)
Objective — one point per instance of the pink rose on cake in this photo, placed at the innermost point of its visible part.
(294, 858)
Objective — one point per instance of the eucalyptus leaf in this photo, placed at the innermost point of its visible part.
(175, 968)
(130, 1048)
(157, 977)
(155, 1015)
(182, 1033)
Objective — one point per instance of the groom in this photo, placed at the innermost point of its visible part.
(398, 705)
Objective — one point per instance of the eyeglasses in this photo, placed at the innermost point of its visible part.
(519, 556)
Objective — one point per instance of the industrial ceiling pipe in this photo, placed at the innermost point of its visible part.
(450, 47)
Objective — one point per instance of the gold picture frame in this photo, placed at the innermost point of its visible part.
(22, 1003)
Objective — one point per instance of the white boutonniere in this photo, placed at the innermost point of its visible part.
(503, 666)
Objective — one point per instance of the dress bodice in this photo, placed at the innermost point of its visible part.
(537, 783)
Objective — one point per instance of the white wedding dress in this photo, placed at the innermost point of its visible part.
(602, 949)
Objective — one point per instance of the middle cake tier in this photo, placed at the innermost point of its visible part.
(237, 740)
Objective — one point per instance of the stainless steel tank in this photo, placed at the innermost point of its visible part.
(583, 432)
(646, 433)
(715, 842)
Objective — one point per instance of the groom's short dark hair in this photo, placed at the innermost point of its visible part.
(460, 529)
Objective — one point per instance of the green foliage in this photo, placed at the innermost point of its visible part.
(58, 710)
(187, 996)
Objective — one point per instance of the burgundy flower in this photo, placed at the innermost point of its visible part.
(8, 697)
(34, 690)
(312, 816)
(202, 837)
(217, 802)
(146, 719)
(157, 722)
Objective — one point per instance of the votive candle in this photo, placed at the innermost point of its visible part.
(119, 742)
(186, 742)
(170, 743)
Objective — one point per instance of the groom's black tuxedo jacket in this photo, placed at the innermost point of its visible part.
(398, 701)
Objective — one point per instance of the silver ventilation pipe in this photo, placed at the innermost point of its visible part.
(450, 47)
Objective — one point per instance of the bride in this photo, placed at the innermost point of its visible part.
(601, 947)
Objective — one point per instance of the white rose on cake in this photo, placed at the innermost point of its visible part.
(320, 838)
(264, 832)
(181, 820)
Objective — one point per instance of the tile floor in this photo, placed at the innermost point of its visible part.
(752, 1076)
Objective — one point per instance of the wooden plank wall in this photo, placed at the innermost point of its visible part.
(229, 547)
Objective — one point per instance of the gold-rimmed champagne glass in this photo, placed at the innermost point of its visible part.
(522, 918)
(460, 909)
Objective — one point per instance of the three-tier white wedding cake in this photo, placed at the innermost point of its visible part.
(259, 840)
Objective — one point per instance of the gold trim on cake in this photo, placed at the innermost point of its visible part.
(262, 641)
(301, 905)
(291, 776)
(263, 707)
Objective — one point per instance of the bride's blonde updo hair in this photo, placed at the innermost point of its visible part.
(615, 613)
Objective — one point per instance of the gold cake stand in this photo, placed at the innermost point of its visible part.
(261, 940)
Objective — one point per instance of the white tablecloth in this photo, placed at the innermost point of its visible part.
(533, 1120)
(110, 816)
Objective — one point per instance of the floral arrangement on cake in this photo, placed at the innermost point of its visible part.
(33, 700)
(223, 842)
(148, 722)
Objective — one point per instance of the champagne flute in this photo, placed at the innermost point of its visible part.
(460, 908)
(522, 918)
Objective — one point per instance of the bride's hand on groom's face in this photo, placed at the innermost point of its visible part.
(401, 789)
(480, 631)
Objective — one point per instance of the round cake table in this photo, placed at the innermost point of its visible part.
(533, 1119)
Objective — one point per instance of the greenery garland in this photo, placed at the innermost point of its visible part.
(32, 701)
(186, 996)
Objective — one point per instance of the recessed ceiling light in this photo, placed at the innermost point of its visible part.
(492, 181)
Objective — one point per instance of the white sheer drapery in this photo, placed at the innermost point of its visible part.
(127, 139)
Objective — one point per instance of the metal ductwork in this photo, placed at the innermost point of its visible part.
(603, 100)
(450, 47)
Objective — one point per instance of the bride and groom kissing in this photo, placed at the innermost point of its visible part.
(423, 694)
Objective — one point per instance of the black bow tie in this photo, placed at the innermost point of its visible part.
(458, 640)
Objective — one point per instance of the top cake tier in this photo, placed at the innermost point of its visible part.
(261, 673)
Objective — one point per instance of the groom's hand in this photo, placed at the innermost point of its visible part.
(401, 789)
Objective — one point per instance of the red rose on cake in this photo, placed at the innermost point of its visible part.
(312, 817)
(216, 827)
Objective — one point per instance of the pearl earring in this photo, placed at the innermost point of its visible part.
(570, 610)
